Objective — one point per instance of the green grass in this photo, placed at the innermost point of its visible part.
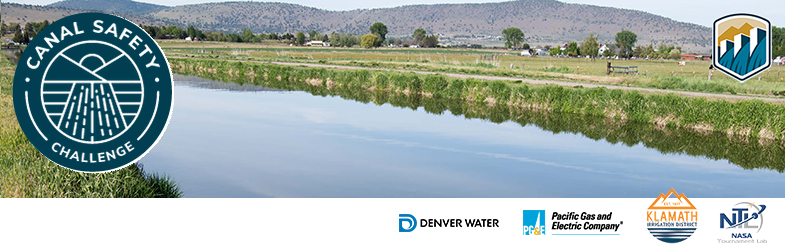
(25, 172)
(749, 119)
(653, 73)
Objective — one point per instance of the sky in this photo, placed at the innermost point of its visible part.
(702, 12)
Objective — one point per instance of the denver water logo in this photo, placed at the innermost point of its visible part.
(742, 45)
(93, 92)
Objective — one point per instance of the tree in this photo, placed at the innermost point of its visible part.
(29, 31)
(348, 40)
(526, 46)
(248, 35)
(419, 35)
(191, 31)
(369, 40)
(13, 27)
(777, 41)
(313, 34)
(626, 41)
(18, 38)
(431, 41)
(608, 52)
(675, 54)
(590, 46)
(572, 49)
(26, 38)
(513, 37)
(300, 38)
(380, 30)
(555, 51)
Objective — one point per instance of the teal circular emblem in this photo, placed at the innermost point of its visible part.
(93, 92)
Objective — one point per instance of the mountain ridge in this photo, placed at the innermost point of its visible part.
(112, 6)
(542, 21)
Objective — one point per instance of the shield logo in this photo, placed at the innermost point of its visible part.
(742, 45)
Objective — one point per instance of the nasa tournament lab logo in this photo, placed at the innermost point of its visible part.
(93, 92)
(533, 222)
(742, 45)
(742, 222)
(672, 218)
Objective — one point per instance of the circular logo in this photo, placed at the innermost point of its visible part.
(93, 92)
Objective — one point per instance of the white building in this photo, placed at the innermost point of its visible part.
(602, 49)
(317, 43)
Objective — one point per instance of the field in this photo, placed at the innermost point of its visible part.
(658, 74)
(25, 172)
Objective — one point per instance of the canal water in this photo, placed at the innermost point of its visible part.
(231, 140)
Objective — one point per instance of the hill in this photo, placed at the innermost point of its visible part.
(23, 13)
(109, 6)
(543, 21)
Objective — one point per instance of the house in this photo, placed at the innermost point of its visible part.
(689, 56)
(603, 48)
(695, 57)
(318, 43)
(188, 39)
(541, 52)
(526, 52)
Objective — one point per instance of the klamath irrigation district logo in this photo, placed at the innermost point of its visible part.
(742, 45)
(671, 217)
(93, 92)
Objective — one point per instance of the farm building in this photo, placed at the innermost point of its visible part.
(317, 43)
(695, 57)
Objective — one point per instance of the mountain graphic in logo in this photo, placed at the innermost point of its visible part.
(742, 45)
(672, 218)
(679, 201)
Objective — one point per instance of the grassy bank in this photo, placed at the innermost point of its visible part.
(657, 74)
(743, 119)
(25, 172)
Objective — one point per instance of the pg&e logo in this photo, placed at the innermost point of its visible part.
(533, 222)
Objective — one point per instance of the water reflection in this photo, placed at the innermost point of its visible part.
(254, 142)
(12, 54)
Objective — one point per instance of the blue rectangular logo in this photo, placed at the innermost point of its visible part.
(533, 222)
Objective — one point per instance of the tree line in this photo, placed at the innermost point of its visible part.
(23, 35)
(624, 45)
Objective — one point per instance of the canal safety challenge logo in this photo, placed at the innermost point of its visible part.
(742, 45)
(672, 218)
(93, 92)
(742, 221)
